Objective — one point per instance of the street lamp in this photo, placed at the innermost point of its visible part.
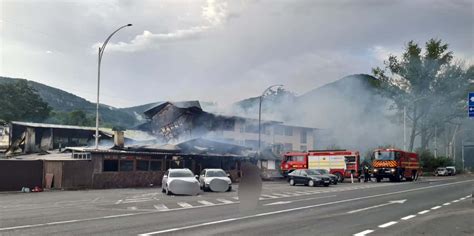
(101, 52)
(260, 114)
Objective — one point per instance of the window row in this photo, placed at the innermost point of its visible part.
(132, 165)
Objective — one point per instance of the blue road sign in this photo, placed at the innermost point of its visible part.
(471, 105)
(471, 99)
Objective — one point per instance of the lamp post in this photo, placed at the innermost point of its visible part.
(101, 52)
(260, 114)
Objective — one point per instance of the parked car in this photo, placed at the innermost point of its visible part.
(308, 177)
(451, 170)
(215, 180)
(180, 181)
(441, 171)
(334, 178)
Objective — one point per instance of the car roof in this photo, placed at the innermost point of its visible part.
(213, 169)
(179, 169)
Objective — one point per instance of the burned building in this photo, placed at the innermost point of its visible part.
(177, 121)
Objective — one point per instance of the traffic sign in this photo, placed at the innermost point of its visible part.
(471, 105)
(471, 99)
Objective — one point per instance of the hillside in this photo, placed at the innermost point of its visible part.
(62, 101)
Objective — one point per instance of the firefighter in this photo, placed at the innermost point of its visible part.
(366, 173)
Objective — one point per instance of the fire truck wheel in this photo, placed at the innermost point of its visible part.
(311, 183)
(292, 182)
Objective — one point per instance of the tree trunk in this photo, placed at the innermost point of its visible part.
(413, 129)
(424, 138)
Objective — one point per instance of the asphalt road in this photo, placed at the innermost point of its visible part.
(432, 206)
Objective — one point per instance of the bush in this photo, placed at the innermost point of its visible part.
(429, 163)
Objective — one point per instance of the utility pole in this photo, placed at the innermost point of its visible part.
(436, 142)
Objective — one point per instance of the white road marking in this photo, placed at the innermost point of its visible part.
(137, 200)
(119, 201)
(446, 204)
(423, 212)
(131, 208)
(380, 205)
(268, 196)
(161, 207)
(236, 198)
(184, 204)
(468, 196)
(203, 202)
(233, 219)
(456, 201)
(365, 232)
(281, 194)
(436, 207)
(277, 203)
(387, 224)
(224, 201)
(408, 217)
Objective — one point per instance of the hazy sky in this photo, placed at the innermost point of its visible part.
(213, 50)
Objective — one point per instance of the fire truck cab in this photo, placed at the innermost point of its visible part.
(395, 164)
(341, 163)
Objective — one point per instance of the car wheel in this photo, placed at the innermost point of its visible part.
(292, 182)
(311, 183)
(378, 179)
(335, 182)
(168, 192)
(162, 189)
(229, 189)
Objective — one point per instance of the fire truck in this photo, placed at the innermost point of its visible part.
(342, 163)
(396, 165)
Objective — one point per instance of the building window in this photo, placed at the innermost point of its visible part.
(288, 146)
(279, 130)
(143, 165)
(229, 125)
(289, 131)
(81, 155)
(110, 165)
(251, 129)
(304, 136)
(126, 165)
(303, 148)
(155, 165)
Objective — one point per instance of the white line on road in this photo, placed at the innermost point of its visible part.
(161, 207)
(119, 201)
(270, 213)
(236, 198)
(423, 212)
(281, 194)
(446, 204)
(203, 202)
(436, 207)
(387, 224)
(224, 201)
(277, 203)
(131, 208)
(365, 232)
(381, 205)
(408, 217)
(184, 204)
(456, 201)
(268, 196)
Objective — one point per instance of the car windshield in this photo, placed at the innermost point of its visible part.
(181, 173)
(313, 172)
(215, 173)
(323, 171)
(385, 156)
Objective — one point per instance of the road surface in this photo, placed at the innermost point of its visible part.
(432, 206)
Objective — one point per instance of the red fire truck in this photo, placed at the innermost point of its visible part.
(338, 162)
(396, 165)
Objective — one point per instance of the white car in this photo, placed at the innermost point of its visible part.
(179, 181)
(215, 180)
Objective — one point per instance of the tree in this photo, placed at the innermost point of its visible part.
(428, 84)
(18, 101)
(76, 117)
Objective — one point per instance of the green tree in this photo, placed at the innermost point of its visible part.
(429, 85)
(18, 101)
(76, 117)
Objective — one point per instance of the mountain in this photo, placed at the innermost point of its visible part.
(62, 101)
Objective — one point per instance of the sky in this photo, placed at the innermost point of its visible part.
(216, 50)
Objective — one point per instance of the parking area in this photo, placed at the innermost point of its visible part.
(152, 199)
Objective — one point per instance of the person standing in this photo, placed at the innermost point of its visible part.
(366, 173)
